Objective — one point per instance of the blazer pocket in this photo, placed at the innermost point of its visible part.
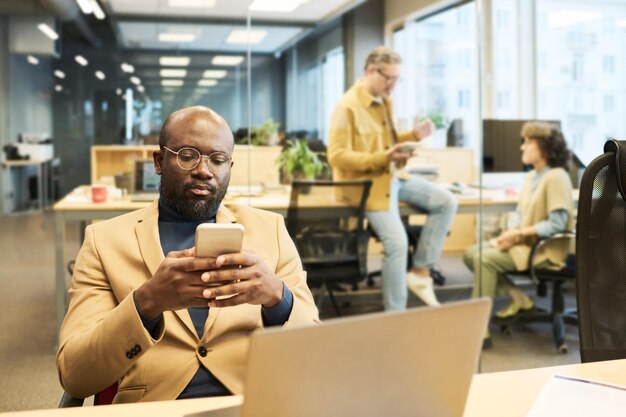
(129, 394)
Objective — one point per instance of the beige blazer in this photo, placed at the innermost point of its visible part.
(103, 340)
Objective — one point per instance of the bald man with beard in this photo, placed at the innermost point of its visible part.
(140, 314)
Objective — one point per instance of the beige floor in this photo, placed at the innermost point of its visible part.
(27, 358)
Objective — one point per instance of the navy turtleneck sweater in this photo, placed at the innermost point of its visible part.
(178, 233)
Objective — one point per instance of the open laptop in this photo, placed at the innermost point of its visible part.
(146, 184)
(418, 362)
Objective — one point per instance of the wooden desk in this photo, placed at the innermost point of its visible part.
(512, 393)
(499, 394)
(77, 206)
(178, 408)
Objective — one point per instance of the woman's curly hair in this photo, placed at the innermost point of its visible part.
(551, 142)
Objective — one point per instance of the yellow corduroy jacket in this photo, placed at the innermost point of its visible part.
(360, 137)
(102, 324)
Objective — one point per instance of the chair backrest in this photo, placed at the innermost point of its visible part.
(326, 220)
(601, 256)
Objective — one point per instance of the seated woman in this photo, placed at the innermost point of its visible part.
(545, 207)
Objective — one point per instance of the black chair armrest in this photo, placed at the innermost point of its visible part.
(68, 401)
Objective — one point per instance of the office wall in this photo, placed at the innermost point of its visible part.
(364, 31)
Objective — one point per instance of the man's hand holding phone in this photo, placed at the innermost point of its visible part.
(244, 278)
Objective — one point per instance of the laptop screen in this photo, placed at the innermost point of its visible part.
(146, 178)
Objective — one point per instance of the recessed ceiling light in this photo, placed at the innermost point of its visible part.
(47, 30)
(173, 72)
(214, 74)
(58, 88)
(81, 60)
(280, 6)
(203, 4)
(127, 68)
(59, 74)
(242, 36)
(135, 80)
(118, 91)
(32, 60)
(177, 37)
(97, 10)
(172, 83)
(174, 61)
(100, 75)
(227, 60)
(141, 88)
(85, 6)
(207, 83)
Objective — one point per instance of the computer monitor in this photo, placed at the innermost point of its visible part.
(501, 144)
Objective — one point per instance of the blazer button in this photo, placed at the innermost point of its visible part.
(136, 349)
(129, 355)
(202, 351)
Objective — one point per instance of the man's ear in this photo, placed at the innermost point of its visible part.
(157, 158)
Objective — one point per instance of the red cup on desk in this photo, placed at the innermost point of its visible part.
(98, 193)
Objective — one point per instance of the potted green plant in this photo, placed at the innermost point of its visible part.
(298, 161)
(266, 134)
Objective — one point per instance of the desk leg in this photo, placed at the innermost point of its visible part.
(61, 286)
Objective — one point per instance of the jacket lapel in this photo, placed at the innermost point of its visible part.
(147, 232)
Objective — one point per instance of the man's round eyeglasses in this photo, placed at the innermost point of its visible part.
(388, 78)
(189, 158)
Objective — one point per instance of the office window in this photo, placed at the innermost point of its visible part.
(443, 66)
(333, 86)
(582, 52)
(505, 60)
(609, 103)
(608, 64)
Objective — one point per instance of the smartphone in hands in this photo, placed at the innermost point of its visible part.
(215, 239)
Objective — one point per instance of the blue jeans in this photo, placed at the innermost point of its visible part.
(440, 205)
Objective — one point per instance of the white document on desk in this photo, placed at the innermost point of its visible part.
(578, 397)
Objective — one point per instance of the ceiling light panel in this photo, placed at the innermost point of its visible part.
(172, 83)
(48, 31)
(81, 60)
(100, 75)
(32, 60)
(174, 61)
(97, 10)
(207, 83)
(135, 80)
(173, 73)
(214, 74)
(59, 74)
(177, 37)
(85, 6)
(227, 60)
(243, 36)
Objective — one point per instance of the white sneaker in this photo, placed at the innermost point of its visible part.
(423, 288)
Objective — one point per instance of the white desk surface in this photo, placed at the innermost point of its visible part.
(498, 394)
(512, 393)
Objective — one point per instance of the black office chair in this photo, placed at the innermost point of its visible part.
(327, 224)
(542, 277)
(601, 261)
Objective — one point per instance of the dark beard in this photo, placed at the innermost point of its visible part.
(198, 209)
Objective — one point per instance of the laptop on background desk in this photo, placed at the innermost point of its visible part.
(418, 362)
(146, 184)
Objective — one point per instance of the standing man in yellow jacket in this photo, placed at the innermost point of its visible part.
(364, 144)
